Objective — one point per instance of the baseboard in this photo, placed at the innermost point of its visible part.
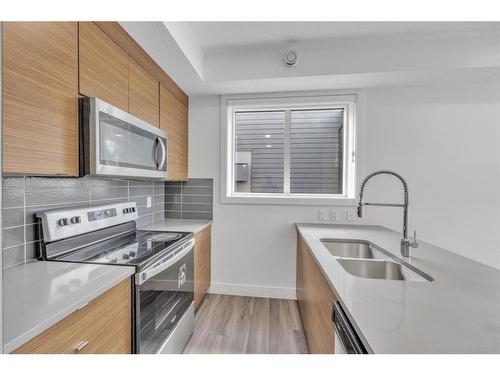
(252, 290)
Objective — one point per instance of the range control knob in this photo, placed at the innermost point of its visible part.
(75, 220)
(62, 222)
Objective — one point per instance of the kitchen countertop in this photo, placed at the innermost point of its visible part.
(179, 225)
(458, 312)
(39, 294)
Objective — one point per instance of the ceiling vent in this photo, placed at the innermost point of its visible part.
(290, 58)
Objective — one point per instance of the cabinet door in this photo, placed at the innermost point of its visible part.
(174, 120)
(104, 326)
(202, 259)
(315, 301)
(103, 66)
(143, 94)
(40, 98)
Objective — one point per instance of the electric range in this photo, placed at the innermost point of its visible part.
(164, 262)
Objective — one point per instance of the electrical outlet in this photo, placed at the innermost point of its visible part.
(334, 215)
(322, 214)
(148, 202)
(349, 215)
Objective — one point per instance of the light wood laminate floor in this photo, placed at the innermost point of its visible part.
(235, 324)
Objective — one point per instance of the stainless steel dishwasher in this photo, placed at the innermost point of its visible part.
(347, 340)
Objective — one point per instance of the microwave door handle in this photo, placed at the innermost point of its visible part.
(163, 153)
(155, 152)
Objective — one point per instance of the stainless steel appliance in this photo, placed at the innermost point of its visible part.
(346, 339)
(116, 143)
(164, 262)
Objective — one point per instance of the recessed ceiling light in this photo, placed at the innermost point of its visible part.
(268, 146)
(267, 136)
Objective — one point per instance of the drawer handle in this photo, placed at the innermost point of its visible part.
(81, 346)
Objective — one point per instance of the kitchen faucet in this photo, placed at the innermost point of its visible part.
(406, 243)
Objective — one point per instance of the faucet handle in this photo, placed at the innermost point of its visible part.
(414, 243)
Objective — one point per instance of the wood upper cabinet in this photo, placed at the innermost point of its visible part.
(174, 120)
(40, 98)
(104, 326)
(144, 94)
(202, 267)
(103, 66)
(315, 299)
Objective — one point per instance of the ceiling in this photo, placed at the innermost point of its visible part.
(247, 57)
(211, 35)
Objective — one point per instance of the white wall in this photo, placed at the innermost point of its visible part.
(443, 140)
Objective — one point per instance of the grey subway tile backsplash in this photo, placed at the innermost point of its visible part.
(23, 197)
(141, 191)
(197, 190)
(186, 199)
(31, 250)
(145, 220)
(12, 217)
(109, 193)
(13, 255)
(13, 192)
(197, 215)
(192, 199)
(32, 232)
(13, 236)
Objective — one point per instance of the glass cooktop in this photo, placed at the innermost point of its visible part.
(132, 249)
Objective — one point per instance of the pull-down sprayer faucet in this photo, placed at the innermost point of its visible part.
(406, 243)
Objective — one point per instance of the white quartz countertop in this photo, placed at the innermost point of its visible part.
(39, 294)
(458, 312)
(179, 225)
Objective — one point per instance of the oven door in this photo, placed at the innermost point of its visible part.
(164, 303)
(122, 144)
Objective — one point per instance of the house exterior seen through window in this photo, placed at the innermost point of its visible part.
(282, 149)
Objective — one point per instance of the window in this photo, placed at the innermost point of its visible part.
(282, 149)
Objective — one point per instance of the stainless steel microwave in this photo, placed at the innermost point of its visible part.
(114, 143)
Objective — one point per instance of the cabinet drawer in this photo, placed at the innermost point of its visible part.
(102, 326)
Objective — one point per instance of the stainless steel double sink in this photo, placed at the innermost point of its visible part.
(364, 259)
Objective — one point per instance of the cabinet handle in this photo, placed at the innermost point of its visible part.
(81, 346)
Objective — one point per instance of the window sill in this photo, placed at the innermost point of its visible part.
(289, 200)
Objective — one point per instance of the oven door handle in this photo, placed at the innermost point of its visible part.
(163, 264)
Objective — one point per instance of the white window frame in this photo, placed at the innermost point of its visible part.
(234, 103)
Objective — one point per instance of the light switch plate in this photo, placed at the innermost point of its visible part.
(322, 214)
(148, 202)
(349, 215)
(334, 215)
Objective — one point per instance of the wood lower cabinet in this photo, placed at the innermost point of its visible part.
(143, 94)
(103, 66)
(315, 299)
(174, 120)
(104, 326)
(202, 259)
(40, 98)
